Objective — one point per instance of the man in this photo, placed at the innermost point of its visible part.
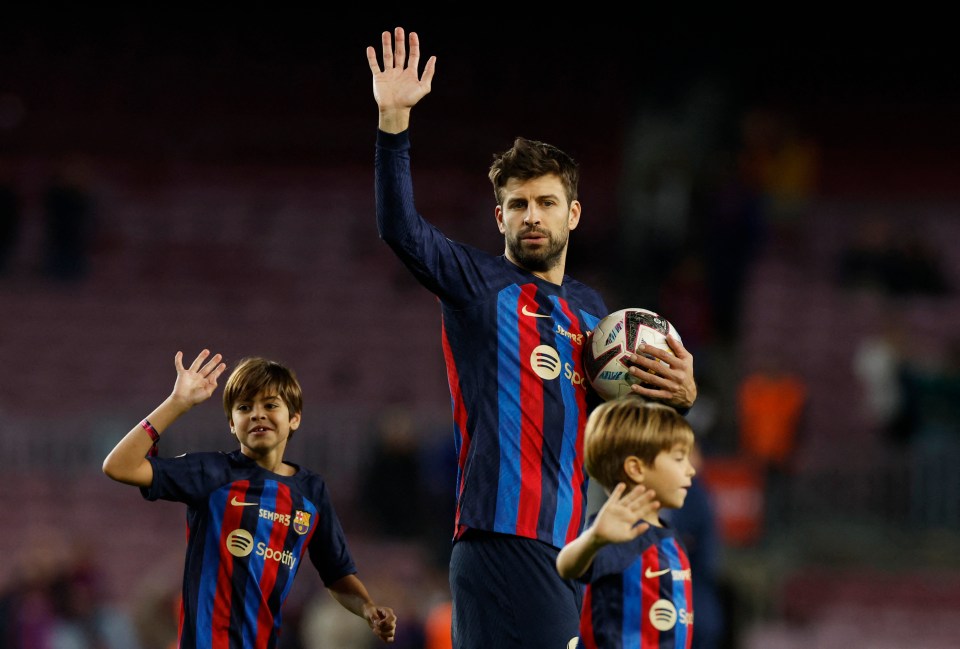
(514, 329)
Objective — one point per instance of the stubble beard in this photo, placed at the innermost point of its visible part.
(543, 259)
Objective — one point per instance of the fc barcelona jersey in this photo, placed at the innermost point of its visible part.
(513, 346)
(248, 530)
(639, 595)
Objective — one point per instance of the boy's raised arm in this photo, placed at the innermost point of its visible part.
(619, 520)
(127, 461)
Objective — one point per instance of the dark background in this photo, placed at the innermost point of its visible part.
(228, 152)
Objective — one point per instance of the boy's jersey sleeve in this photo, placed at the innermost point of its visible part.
(328, 544)
(187, 478)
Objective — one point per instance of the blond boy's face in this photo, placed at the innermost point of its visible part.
(670, 476)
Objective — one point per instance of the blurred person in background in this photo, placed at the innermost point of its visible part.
(780, 163)
(10, 218)
(57, 602)
(771, 401)
(884, 258)
(395, 460)
(931, 403)
(878, 363)
(696, 523)
(70, 213)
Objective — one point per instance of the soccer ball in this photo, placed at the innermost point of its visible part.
(605, 360)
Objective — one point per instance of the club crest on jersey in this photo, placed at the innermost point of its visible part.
(301, 522)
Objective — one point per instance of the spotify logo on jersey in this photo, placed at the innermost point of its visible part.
(663, 615)
(240, 543)
(545, 361)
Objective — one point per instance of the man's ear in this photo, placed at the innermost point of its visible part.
(573, 219)
(498, 214)
(633, 468)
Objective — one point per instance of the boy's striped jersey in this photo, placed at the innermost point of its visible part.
(639, 595)
(248, 531)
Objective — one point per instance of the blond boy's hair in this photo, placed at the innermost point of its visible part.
(628, 426)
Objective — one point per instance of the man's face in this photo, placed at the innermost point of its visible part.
(536, 220)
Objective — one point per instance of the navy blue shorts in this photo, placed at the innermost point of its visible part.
(507, 594)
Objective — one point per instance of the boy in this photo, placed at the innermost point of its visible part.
(251, 516)
(635, 567)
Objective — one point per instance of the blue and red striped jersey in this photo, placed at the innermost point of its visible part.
(639, 595)
(248, 530)
(513, 346)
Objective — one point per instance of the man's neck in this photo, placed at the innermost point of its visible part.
(554, 275)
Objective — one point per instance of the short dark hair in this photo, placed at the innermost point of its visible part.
(528, 159)
(254, 374)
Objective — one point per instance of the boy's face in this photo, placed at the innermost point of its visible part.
(264, 423)
(670, 476)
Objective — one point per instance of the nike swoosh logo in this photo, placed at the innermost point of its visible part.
(532, 314)
(240, 503)
(650, 574)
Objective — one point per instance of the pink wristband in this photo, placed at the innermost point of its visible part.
(154, 435)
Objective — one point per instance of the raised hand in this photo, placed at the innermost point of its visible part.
(622, 517)
(198, 382)
(398, 86)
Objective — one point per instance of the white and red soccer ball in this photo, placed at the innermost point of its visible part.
(606, 361)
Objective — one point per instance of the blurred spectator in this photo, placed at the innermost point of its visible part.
(919, 268)
(438, 626)
(56, 602)
(770, 403)
(70, 221)
(10, 217)
(157, 613)
(696, 522)
(732, 233)
(781, 164)
(684, 300)
(423, 465)
(882, 259)
(403, 576)
(85, 620)
(655, 212)
(327, 624)
(932, 409)
(439, 495)
(866, 261)
(27, 610)
(877, 363)
(394, 468)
